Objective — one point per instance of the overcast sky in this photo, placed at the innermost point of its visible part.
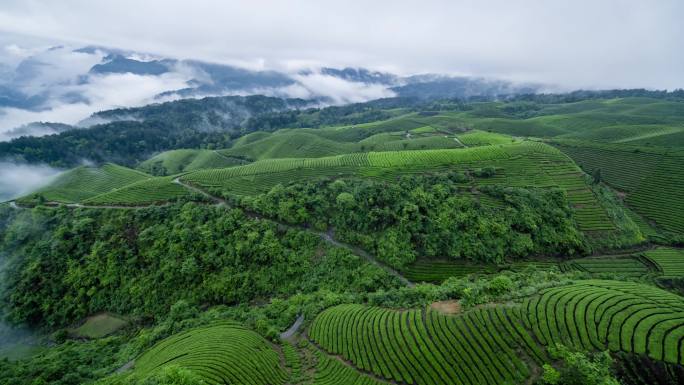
(569, 43)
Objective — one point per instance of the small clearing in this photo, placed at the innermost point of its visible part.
(448, 307)
(99, 325)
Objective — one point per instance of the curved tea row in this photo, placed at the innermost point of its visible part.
(223, 353)
(610, 315)
(426, 347)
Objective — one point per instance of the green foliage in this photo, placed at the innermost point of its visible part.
(68, 264)
(175, 375)
(521, 164)
(429, 216)
(500, 284)
(70, 363)
(626, 231)
(579, 368)
(550, 376)
(398, 186)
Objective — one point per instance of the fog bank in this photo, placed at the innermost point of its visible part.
(20, 179)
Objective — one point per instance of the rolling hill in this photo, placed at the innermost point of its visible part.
(443, 243)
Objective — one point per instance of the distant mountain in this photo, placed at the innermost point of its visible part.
(218, 79)
(210, 114)
(39, 129)
(59, 83)
(361, 75)
(129, 135)
(116, 63)
(445, 87)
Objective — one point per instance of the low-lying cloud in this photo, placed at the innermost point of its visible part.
(338, 90)
(20, 179)
(60, 84)
(56, 86)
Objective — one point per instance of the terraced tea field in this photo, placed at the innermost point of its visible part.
(178, 161)
(628, 266)
(224, 353)
(332, 372)
(519, 164)
(483, 138)
(669, 261)
(662, 262)
(425, 347)
(316, 143)
(436, 271)
(620, 316)
(653, 179)
(499, 343)
(84, 182)
(144, 192)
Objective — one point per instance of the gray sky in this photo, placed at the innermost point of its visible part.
(573, 44)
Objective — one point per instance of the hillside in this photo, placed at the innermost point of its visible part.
(85, 182)
(444, 243)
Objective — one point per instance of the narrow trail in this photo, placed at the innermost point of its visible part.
(328, 237)
(325, 236)
(126, 367)
(287, 334)
(190, 187)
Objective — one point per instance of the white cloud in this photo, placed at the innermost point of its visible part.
(339, 90)
(20, 179)
(55, 66)
(583, 43)
(99, 92)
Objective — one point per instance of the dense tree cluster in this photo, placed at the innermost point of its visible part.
(66, 264)
(430, 216)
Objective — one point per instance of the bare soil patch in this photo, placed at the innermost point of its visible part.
(451, 306)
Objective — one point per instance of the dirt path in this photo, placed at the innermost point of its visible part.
(326, 236)
(190, 187)
(459, 142)
(287, 334)
(126, 367)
